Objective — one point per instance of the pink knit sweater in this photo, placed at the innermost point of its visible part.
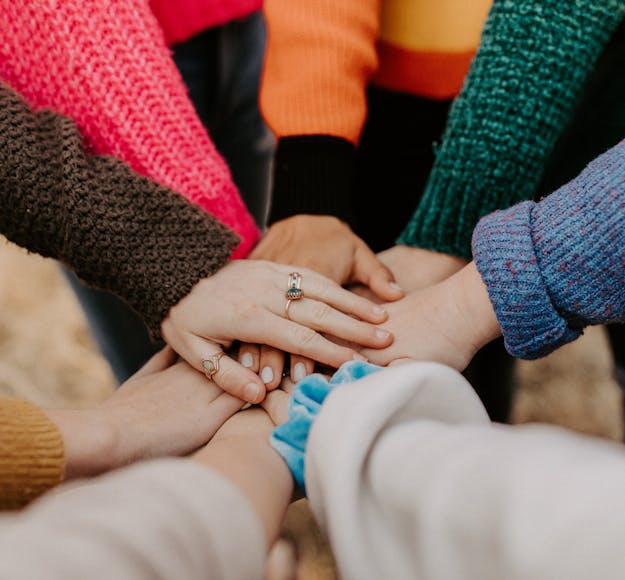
(181, 19)
(105, 64)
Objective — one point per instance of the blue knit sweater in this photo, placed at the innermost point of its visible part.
(554, 267)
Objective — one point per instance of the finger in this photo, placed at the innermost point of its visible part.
(301, 367)
(271, 366)
(320, 288)
(323, 318)
(297, 339)
(372, 273)
(219, 411)
(231, 376)
(163, 359)
(249, 356)
(276, 404)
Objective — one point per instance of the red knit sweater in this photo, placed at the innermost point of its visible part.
(105, 64)
(181, 19)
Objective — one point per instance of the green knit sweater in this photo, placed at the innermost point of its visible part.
(522, 87)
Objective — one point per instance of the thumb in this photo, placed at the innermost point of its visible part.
(369, 271)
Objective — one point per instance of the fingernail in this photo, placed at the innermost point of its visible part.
(247, 360)
(251, 392)
(299, 372)
(379, 311)
(396, 286)
(267, 375)
(358, 356)
(382, 334)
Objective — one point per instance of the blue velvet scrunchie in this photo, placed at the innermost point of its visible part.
(290, 439)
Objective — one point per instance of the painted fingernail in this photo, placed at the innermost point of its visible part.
(266, 375)
(299, 372)
(396, 286)
(382, 334)
(358, 356)
(251, 392)
(379, 311)
(247, 360)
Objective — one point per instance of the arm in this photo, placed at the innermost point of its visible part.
(542, 272)
(211, 517)
(105, 65)
(319, 59)
(519, 94)
(409, 479)
(116, 230)
(164, 409)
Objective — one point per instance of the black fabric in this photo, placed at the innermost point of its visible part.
(313, 174)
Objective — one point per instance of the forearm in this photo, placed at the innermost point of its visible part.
(554, 267)
(519, 93)
(157, 520)
(258, 472)
(118, 231)
(320, 56)
(111, 72)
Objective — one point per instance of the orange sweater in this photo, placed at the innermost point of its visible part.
(322, 54)
(32, 458)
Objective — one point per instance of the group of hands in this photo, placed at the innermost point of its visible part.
(404, 303)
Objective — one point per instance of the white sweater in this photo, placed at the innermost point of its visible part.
(404, 472)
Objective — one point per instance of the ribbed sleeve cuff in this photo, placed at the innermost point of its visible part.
(32, 457)
(505, 258)
(313, 174)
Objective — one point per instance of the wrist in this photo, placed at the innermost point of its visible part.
(90, 442)
(479, 322)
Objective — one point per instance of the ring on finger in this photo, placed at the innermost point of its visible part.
(287, 306)
(211, 364)
(294, 289)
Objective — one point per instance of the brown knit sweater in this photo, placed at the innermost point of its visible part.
(118, 231)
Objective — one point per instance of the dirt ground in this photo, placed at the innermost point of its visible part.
(47, 355)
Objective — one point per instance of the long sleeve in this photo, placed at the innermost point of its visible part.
(554, 267)
(117, 230)
(520, 91)
(410, 480)
(320, 56)
(158, 520)
(105, 65)
(32, 458)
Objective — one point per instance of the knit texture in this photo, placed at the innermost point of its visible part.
(32, 457)
(117, 230)
(554, 267)
(520, 92)
(313, 174)
(182, 19)
(104, 63)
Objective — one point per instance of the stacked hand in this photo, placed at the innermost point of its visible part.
(246, 300)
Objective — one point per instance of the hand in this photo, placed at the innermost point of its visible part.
(416, 268)
(447, 323)
(245, 301)
(328, 246)
(166, 408)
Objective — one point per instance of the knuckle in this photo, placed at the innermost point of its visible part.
(321, 311)
(305, 336)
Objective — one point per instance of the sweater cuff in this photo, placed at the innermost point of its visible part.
(32, 456)
(504, 254)
(290, 439)
(313, 174)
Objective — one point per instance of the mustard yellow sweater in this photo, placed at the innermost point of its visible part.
(32, 458)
